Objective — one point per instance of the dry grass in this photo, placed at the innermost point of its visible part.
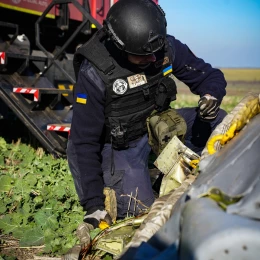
(245, 75)
(236, 90)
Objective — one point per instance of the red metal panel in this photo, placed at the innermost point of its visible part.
(93, 7)
(100, 16)
(103, 10)
(98, 10)
(38, 6)
(75, 14)
(28, 6)
(156, 1)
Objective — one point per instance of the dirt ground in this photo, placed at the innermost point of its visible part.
(10, 250)
(236, 88)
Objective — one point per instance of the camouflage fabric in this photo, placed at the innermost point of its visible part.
(110, 203)
(163, 126)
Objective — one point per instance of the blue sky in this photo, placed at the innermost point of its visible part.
(225, 33)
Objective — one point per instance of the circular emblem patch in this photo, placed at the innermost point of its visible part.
(120, 86)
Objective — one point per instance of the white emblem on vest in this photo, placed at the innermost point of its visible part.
(120, 86)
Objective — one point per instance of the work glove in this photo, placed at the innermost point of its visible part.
(96, 217)
(91, 221)
(208, 108)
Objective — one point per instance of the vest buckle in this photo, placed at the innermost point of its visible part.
(146, 91)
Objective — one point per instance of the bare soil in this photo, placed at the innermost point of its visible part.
(10, 250)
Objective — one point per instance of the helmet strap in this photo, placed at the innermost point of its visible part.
(108, 28)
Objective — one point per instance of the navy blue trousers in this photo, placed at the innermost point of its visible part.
(130, 175)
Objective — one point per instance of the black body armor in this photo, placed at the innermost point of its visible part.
(131, 93)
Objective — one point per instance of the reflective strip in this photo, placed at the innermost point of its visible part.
(2, 57)
(58, 128)
(35, 92)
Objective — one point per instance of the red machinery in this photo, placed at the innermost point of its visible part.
(98, 8)
(37, 41)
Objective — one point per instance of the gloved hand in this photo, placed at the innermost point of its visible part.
(91, 221)
(83, 234)
(97, 216)
(208, 107)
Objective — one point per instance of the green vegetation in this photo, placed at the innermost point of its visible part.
(236, 90)
(38, 202)
(190, 100)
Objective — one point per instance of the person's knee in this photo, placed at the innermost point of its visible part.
(222, 114)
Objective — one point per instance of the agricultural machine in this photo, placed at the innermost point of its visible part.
(37, 41)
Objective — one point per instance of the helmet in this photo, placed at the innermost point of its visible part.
(136, 26)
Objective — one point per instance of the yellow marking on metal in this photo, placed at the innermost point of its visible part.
(16, 8)
(93, 26)
(194, 163)
(222, 199)
(250, 109)
(211, 143)
(229, 134)
(62, 87)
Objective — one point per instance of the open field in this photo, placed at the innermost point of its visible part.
(244, 75)
(240, 82)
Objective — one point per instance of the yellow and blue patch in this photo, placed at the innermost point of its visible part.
(167, 70)
(81, 98)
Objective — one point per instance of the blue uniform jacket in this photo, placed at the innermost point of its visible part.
(88, 119)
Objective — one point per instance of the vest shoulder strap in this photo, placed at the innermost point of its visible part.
(95, 52)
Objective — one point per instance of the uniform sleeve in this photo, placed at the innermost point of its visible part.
(198, 75)
(86, 131)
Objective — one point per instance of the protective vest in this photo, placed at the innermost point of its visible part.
(131, 94)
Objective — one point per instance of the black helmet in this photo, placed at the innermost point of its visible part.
(136, 26)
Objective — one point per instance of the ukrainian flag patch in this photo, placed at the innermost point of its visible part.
(167, 70)
(81, 98)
